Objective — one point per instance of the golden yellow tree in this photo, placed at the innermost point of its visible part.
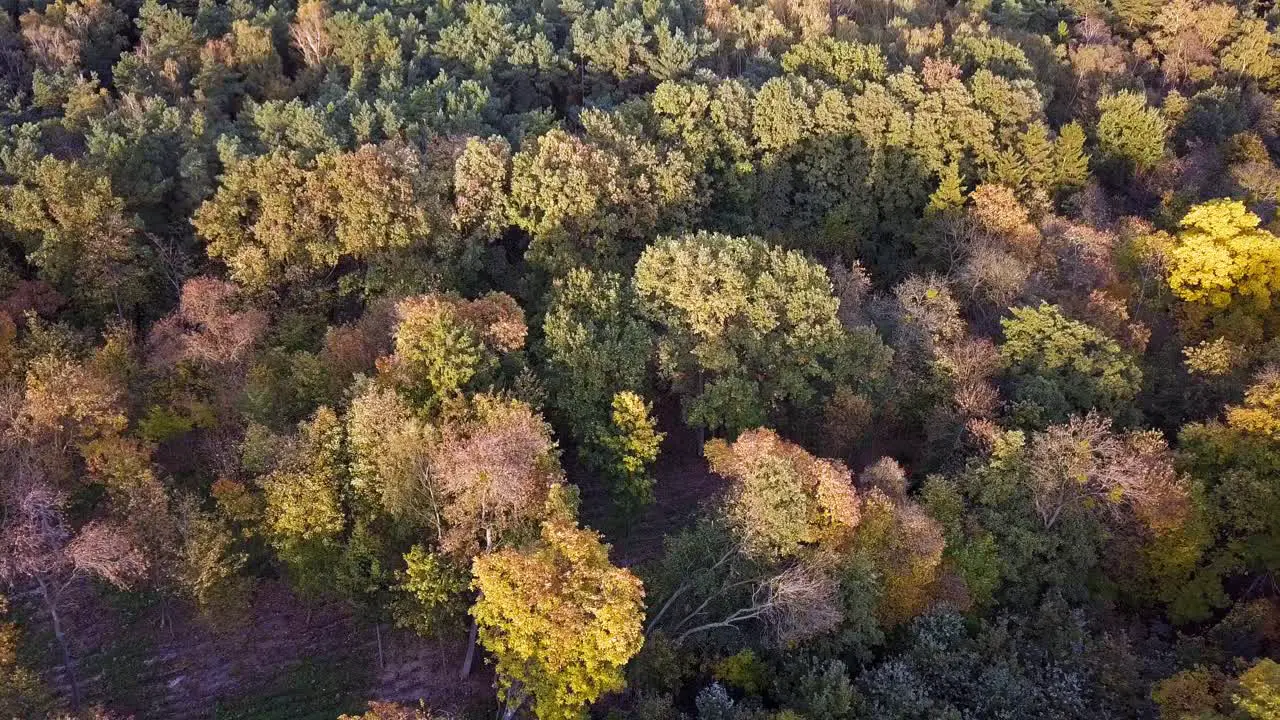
(1224, 266)
(560, 621)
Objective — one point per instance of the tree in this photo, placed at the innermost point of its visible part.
(1059, 366)
(277, 218)
(243, 62)
(711, 593)
(584, 201)
(904, 547)
(390, 711)
(595, 345)
(309, 32)
(390, 455)
(444, 343)
(430, 591)
(782, 498)
(748, 332)
(78, 234)
(1260, 413)
(1260, 690)
(74, 35)
(1225, 268)
(1048, 660)
(210, 561)
(304, 515)
(1129, 132)
(496, 467)
(1070, 163)
(1082, 465)
(626, 449)
(208, 328)
(38, 544)
(560, 621)
(1233, 461)
(1195, 693)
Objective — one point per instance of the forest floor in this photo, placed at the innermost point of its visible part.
(289, 657)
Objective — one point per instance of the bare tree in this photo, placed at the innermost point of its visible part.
(794, 603)
(37, 545)
(1084, 459)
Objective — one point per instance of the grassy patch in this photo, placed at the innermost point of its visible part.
(310, 690)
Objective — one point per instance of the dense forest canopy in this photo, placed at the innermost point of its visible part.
(654, 359)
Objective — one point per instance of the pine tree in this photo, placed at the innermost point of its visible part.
(950, 195)
(1129, 132)
(1010, 170)
(1070, 164)
(1037, 150)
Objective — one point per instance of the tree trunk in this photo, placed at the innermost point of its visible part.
(515, 698)
(471, 650)
(702, 431)
(377, 632)
(470, 659)
(52, 606)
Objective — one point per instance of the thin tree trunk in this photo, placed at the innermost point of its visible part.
(471, 650)
(702, 431)
(470, 659)
(51, 604)
(515, 698)
(377, 632)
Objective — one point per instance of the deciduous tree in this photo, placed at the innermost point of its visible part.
(560, 621)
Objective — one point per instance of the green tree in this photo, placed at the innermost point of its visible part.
(625, 450)
(1070, 163)
(595, 345)
(748, 332)
(77, 234)
(1059, 366)
(444, 343)
(590, 201)
(276, 217)
(1129, 132)
(304, 516)
(429, 592)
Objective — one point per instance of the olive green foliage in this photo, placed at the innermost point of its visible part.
(1130, 132)
(1059, 366)
(595, 345)
(747, 332)
(304, 516)
(625, 452)
(430, 590)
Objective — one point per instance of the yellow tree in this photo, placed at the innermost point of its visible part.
(1224, 267)
(560, 621)
(1260, 690)
(304, 513)
(1260, 413)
